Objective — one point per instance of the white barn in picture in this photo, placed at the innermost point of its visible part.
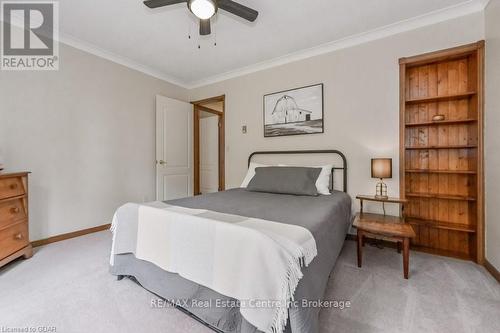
(286, 111)
(295, 111)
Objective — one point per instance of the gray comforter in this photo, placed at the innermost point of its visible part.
(327, 217)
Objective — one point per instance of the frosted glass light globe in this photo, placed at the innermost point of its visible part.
(203, 9)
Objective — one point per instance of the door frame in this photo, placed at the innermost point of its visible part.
(198, 106)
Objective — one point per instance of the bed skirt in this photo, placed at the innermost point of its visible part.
(188, 296)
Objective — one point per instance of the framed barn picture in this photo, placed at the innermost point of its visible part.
(294, 112)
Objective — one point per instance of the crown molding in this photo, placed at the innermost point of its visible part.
(485, 3)
(99, 52)
(448, 13)
(445, 14)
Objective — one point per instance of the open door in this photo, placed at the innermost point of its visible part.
(206, 171)
(174, 149)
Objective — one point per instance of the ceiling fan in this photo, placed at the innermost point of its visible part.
(205, 9)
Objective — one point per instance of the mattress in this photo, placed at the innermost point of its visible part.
(327, 217)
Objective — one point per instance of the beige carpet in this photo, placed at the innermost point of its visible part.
(66, 285)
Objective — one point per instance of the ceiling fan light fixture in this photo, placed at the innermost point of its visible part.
(203, 9)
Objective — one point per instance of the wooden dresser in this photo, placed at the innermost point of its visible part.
(14, 237)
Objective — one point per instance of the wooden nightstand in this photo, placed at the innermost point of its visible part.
(392, 228)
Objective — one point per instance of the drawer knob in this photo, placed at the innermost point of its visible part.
(14, 210)
(18, 236)
(13, 186)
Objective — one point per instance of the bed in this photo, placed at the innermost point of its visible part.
(327, 217)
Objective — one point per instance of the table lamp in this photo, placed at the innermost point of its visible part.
(381, 168)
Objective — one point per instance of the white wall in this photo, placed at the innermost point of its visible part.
(87, 134)
(87, 131)
(361, 100)
(492, 138)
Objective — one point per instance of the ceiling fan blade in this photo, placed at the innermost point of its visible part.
(248, 14)
(205, 28)
(161, 3)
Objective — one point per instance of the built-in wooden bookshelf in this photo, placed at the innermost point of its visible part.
(441, 162)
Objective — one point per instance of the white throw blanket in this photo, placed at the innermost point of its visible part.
(248, 259)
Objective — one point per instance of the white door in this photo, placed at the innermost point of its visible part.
(174, 149)
(209, 153)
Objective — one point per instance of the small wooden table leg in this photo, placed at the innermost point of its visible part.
(406, 256)
(360, 247)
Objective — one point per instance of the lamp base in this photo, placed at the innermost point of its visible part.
(381, 190)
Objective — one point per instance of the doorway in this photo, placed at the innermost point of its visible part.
(209, 145)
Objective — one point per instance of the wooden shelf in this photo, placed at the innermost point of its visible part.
(444, 122)
(441, 98)
(442, 147)
(441, 225)
(440, 196)
(466, 172)
(391, 226)
(448, 83)
(386, 200)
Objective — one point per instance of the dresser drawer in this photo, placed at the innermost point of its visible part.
(11, 187)
(11, 210)
(13, 238)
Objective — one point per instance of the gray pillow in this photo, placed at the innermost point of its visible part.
(285, 180)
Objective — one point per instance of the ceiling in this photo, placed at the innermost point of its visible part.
(156, 41)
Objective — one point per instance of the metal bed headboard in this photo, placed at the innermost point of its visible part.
(300, 152)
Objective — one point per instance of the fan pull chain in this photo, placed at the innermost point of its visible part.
(199, 43)
(215, 28)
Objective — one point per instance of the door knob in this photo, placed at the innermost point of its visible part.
(162, 162)
(18, 236)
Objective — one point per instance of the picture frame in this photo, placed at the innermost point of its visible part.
(297, 111)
